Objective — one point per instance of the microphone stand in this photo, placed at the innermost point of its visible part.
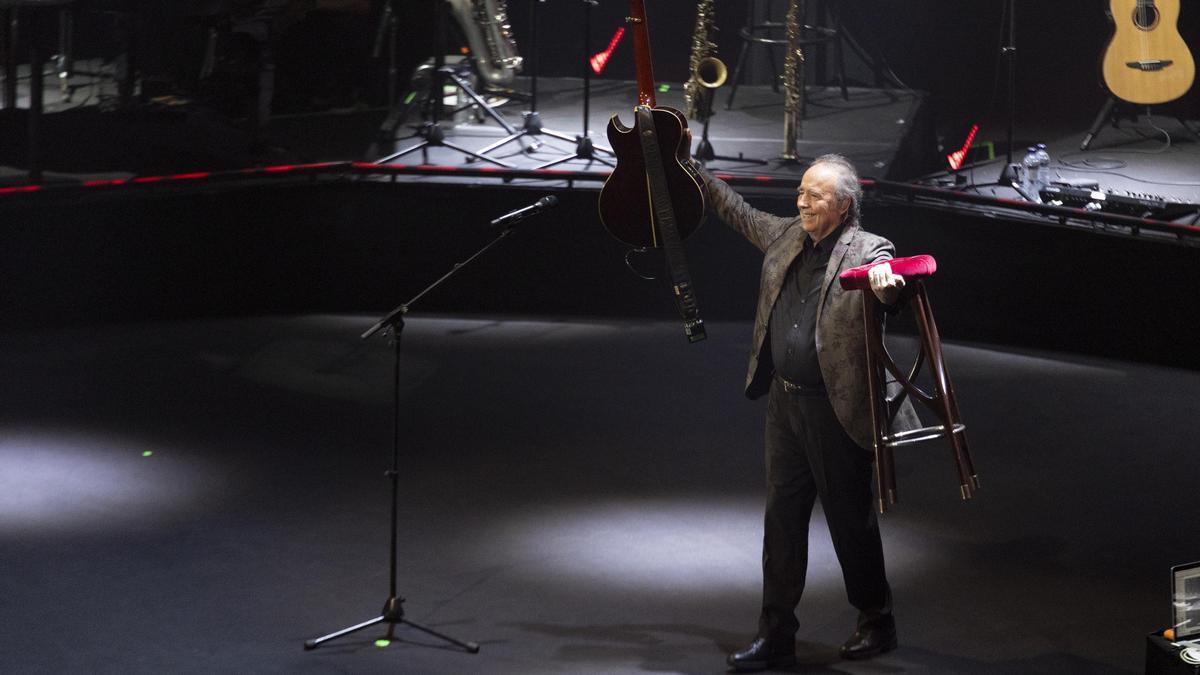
(532, 125)
(585, 149)
(393, 607)
(431, 132)
(1010, 174)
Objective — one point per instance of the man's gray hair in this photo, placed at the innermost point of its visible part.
(847, 185)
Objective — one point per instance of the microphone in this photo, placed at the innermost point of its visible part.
(513, 217)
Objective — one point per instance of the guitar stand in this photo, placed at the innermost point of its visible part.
(1110, 114)
(393, 608)
(585, 148)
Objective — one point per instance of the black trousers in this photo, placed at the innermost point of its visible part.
(808, 456)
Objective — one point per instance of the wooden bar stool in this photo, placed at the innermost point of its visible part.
(940, 400)
(770, 33)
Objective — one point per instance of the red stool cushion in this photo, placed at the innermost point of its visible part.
(912, 267)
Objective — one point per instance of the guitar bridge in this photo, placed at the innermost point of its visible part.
(1149, 66)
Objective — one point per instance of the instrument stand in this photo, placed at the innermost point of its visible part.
(585, 149)
(1009, 174)
(532, 122)
(704, 149)
(1110, 112)
(393, 608)
(431, 132)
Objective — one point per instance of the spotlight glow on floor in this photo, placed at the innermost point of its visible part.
(73, 481)
(664, 545)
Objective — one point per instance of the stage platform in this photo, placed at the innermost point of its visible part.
(576, 497)
(886, 133)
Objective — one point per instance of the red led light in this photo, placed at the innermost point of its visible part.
(601, 58)
(20, 188)
(955, 159)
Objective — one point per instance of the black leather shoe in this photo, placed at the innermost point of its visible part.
(761, 655)
(870, 641)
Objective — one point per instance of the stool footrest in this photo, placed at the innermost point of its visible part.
(912, 436)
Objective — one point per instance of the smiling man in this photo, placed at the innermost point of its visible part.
(809, 357)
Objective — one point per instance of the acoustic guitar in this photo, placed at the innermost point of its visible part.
(1147, 62)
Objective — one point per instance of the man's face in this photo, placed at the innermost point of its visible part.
(820, 210)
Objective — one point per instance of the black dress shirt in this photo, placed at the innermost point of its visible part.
(793, 327)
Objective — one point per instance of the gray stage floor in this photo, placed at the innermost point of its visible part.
(578, 497)
(868, 126)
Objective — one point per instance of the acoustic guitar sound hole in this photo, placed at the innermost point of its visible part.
(1145, 17)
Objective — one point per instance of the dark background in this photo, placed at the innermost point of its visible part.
(341, 246)
(948, 48)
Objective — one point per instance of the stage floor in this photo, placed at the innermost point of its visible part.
(869, 126)
(575, 496)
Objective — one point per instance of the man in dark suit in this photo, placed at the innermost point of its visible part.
(809, 356)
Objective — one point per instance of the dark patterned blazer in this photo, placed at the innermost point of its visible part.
(840, 339)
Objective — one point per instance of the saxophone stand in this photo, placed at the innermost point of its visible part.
(704, 149)
(585, 149)
(431, 132)
(532, 125)
(393, 607)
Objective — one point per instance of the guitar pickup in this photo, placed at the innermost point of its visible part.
(1147, 66)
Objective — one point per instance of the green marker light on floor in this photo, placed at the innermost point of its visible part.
(147, 453)
(664, 88)
(382, 643)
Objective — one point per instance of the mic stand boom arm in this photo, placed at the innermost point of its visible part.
(393, 608)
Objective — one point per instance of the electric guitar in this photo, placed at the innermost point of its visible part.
(654, 197)
(1147, 62)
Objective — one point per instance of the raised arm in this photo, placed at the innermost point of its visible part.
(759, 227)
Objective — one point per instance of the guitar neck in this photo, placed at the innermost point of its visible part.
(641, 51)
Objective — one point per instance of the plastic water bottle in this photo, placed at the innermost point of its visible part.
(1032, 174)
(1043, 158)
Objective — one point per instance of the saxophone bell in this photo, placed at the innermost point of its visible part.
(711, 72)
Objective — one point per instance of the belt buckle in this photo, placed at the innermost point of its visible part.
(793, 388)
(788, 386)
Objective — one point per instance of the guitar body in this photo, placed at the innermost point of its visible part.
(1147, 62)
(625, 203)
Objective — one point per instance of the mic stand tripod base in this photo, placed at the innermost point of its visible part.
(705, 153)
(393, 614)
(433, 136)
(585, 149)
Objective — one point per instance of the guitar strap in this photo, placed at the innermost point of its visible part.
(663, 215)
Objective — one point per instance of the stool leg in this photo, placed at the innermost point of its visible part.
(947, 408)
(885, 477)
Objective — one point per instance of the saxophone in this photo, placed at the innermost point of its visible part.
(793, 81)
(489, 37)
(706, 70)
